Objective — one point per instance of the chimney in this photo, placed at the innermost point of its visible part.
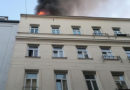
(3, 18)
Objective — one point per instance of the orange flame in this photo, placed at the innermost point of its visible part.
(41, 13)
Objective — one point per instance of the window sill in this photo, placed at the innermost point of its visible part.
(59, 57)
(32, 57)
(85, 58)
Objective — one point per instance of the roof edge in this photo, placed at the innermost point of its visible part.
(77, 17)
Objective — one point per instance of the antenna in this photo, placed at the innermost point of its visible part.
(26, 8)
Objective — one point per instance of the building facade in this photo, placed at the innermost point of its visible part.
(8, 29)
(71, 53)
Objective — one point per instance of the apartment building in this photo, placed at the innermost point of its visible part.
(71, 53)
(8, 29)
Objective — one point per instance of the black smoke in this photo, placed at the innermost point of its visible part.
(56, 7)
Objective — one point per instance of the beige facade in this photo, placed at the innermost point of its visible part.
(71, 61)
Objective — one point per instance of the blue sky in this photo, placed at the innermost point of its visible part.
(13, 8)
(96, 8)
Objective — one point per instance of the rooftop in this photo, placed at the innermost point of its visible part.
(76, 17)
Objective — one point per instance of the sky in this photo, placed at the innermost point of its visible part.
(96, 8)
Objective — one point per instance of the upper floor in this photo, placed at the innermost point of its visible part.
(74, 25)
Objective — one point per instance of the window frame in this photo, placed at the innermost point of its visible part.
(91, 80)
(34, 29)
(31, 79)
(97, 31)
(61, 80)
(59, 50)
(84, 52)
(119, 74)
(35, 51)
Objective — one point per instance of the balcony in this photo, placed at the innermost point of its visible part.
(122, 35)
(100, 34)
(115, 58)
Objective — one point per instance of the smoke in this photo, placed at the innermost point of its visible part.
(97, 8)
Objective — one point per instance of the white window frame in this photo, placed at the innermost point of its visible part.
(116, 31)
(120, 81)
(91, 81)
(66, 75)
(31, 87)
(34, 30)
(55, 31)
(97, 31)
(128, 54)
(108, 52)
(76, 31)
(35, 50)
(84, 52)
(59, 51)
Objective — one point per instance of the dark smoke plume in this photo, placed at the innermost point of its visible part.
(56, 7)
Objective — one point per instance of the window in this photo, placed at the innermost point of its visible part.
(119, 80)
(82, 52)
(33, 50)
(31, 80)
(97, 31)
(61, 81)
(76, 30)
(116, 31)
(127, 50)
(34, 29)
(55, 29)
(58, 51)
(90, 78)
(106, 51)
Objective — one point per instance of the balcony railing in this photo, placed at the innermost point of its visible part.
(122, 35)
(100, 34)
(106, 57)
(30, 88)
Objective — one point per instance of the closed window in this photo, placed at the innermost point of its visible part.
(31, 80)
(116, 31)
(58, 51)
(55, 29)
(119, 80)
(61, 81)
(127, 50)
(33, 50)
(106, 51)
(76, 30)
(34, 29)
(97, 31)
(82, 52)
(91, 82)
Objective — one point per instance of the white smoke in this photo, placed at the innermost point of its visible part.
(102, 8)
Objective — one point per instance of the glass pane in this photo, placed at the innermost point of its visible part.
(58, 85)
(34, 84)
(32, 30)
(119, 86)
(89, 85)
(89, 77)
(124, 86)
(65, 85)
(60, 53)
(60, 76)
(35, 53)
(95, 85)
(31, 76)
(30, 53)
(28, 83)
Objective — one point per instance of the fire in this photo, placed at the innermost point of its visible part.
(41, 13)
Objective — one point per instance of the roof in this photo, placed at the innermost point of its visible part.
(9, 21)
(77, 17)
